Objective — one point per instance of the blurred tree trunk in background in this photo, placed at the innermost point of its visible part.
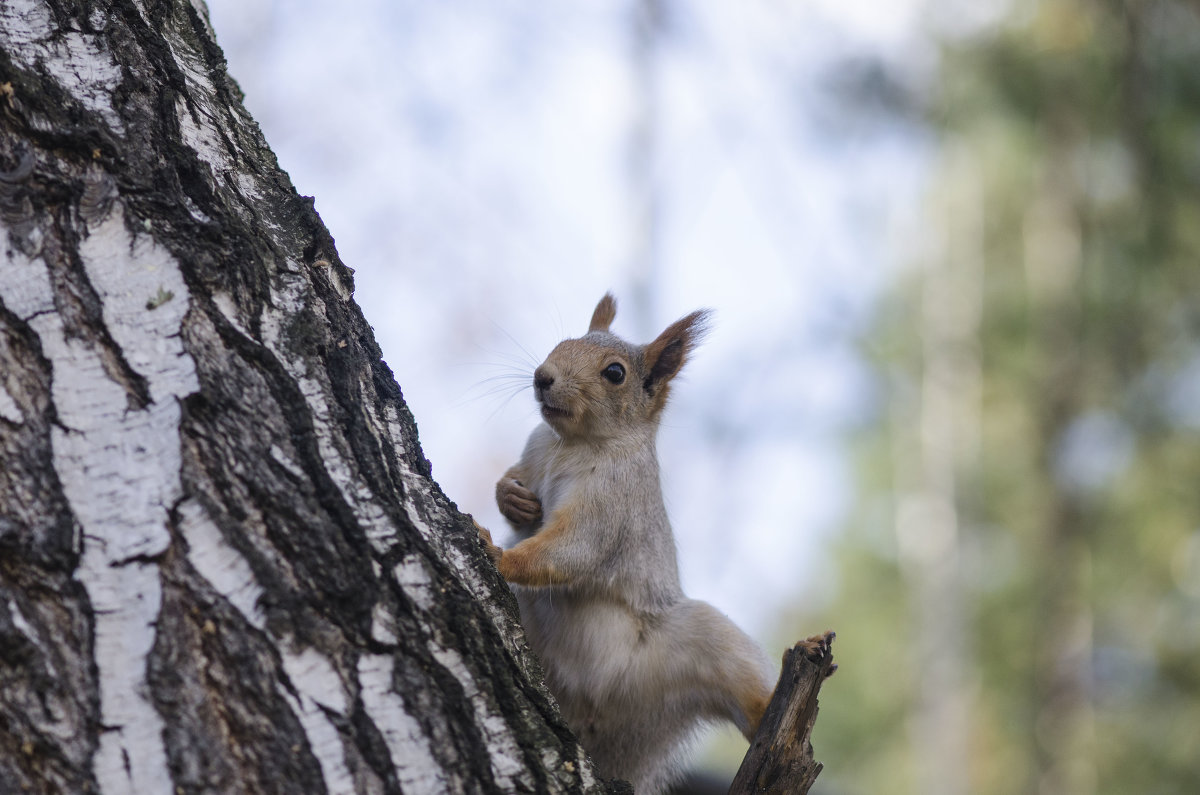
(648, 22)
(1078, 521)
(931, 451)
(224, 566)
(1062, 624)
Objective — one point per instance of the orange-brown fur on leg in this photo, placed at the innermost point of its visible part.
(531, 562)
(754, 705)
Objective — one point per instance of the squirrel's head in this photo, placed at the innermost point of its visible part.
(599, 386)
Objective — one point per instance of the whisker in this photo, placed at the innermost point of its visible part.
(511, 374)
(509, 378)
(507, 360)
(502, 359)
(530, 360)
(491, 387)
(506, 401)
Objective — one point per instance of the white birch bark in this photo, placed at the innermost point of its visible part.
(223, 564)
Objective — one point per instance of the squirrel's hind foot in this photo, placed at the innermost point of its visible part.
(819, 648)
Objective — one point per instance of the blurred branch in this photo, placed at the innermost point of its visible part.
(780, 759)
(865, 93)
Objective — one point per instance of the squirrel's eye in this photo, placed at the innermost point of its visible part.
(614, 373)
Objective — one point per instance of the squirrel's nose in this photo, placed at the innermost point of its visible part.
(542, 380)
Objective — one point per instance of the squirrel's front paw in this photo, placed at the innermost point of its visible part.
(818, 648)
(485, 536)
(518, 504)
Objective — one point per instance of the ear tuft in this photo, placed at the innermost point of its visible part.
(603, 316)
(667, 354)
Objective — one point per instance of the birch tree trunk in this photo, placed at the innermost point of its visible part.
(224, 566)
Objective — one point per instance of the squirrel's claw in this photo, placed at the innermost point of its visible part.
(818, 648)
(485, 536)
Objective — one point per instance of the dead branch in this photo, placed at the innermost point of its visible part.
(780, 759)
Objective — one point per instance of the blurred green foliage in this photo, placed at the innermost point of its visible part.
(1076, 128)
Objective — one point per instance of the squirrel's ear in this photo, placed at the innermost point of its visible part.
(665, 356)
(606, 310)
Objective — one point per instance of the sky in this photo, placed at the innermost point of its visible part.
(475, 162)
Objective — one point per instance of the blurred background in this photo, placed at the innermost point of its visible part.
(950, 405)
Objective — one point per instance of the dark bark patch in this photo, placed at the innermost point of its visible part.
(215, 681)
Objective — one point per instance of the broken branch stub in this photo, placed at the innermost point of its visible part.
(780, 758)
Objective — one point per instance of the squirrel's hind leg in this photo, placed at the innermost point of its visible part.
(716, 666)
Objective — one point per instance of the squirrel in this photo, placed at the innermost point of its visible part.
(635, 665)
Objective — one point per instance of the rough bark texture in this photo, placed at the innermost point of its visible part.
(780, 760)
(224, 566)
